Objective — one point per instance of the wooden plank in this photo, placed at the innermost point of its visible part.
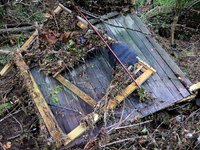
(169, 76)
(141, 79)
(150, 84)
(40, 102)
(8, 67)
(159, 49)
(154, 60)
(156, 84)
(76, 90)
(93, 80)
(195, 87)
(78, 131)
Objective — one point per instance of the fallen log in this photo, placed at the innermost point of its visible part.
(17, 30)
(17, 25)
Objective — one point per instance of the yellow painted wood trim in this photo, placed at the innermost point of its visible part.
(58, 9)
(195, 87)
(187, 98)
(78, 131)
(40, 102)
(129, 89)
(76, 90)
(145, 65)
(29, 41)
(7, 68)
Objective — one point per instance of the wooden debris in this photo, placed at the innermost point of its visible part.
(76, 90)
(17, 30)
(5, 52)
(195, 87)
(64, 8)
(40, 102)
(6, 69)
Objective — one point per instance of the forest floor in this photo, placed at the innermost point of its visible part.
(176, 127)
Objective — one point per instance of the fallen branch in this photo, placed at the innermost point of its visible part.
(17, 30)
(5, 52)
(74, 110)
(189, 8)
(18, 25)
(120, 141)
(2, 146)
(133, 125)
(9, 115)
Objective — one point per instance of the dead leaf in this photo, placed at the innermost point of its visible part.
(8, 145)
(67, 34)
(51, 37)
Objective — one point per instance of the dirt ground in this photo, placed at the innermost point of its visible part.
(174, 128)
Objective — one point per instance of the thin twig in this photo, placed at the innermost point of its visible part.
(120, 141)
(9, 115)
(65, 108)
(133, 125)
(157, 128)
(2, 146)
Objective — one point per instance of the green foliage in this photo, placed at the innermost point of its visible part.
(2, 107)
(54, 93)
(144, 130)
(2, 58)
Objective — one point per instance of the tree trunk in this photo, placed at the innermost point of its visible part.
(178, 9)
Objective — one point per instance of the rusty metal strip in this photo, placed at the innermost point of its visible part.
(76, 90)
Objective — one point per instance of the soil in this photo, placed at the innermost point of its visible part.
(24, 114)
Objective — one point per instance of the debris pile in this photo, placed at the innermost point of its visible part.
(62, 44)
(101, 7)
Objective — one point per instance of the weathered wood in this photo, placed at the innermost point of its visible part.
(195, 87)
(159, 49)
(155, 85)
(76, 90)
(64, 8)
(8, 67)
(6, 52)
(171, 82)
(26, 44)
(17, 30)
(104, 17)
(141, 79)
(78, 131)
(40, 102)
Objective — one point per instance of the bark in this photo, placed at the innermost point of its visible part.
(178, 8)
(5, 52)
(17, 30)
(18, 25)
